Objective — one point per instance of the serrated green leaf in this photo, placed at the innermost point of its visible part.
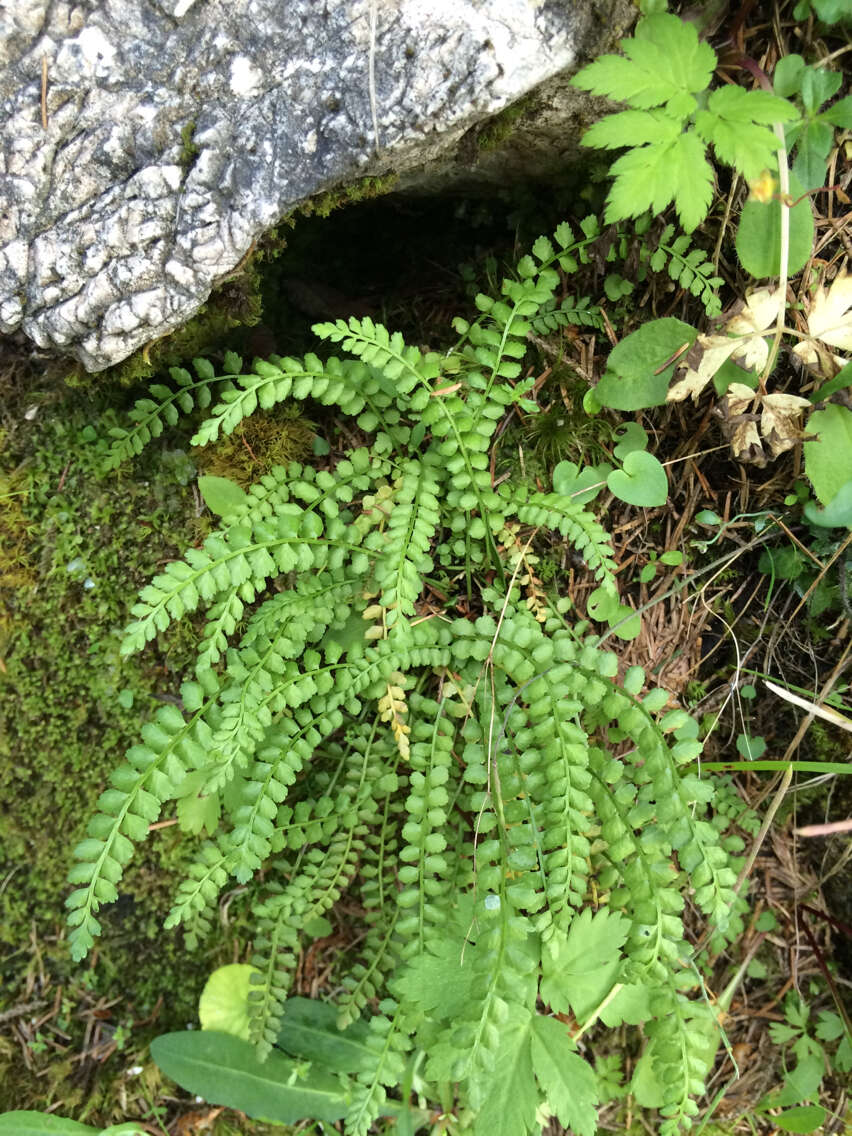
(652, 176)
(664, 61)
(632, 128)
(568, 1082)
(579, 971)
(735, 124)
(508, 1092)
(737, 105)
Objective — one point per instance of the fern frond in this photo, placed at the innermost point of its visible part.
(572, 312)
(240, 558)
(196, 897)
(151, 415)
(389, 1045)
(424, 869)
(334, 383)
(151, 775)
(309, 893)
(579, 526)
(691, 268)
(404, 544)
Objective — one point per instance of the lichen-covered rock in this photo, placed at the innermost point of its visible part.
(145, 144)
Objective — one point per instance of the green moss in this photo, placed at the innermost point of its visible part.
(497, 129)
(362, 190)
(69, 707)
(258, 444)
(189, 151)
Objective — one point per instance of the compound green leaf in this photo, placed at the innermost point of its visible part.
(652, 176)
(632, 128)
(664, 61)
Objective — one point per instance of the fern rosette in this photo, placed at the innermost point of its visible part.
(520, 829)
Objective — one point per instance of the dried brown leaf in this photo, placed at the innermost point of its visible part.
(740, 338)
(779, 421)
(829, 319)
(738, 398)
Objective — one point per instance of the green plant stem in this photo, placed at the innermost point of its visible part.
(784, 261)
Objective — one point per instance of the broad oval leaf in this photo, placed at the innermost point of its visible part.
(759, 234)
(225, 1070)
(23, 1123)
(640, 367)
(828, 459)
(309, 1030)
(221, 496)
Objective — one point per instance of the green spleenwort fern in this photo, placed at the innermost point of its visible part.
(521, 831)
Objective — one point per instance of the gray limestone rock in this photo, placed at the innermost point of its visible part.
(114, 229)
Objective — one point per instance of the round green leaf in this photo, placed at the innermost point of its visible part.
(224, 1000)
(625, 623)
(602, 604)
(640, 367)
(750, 748)
(221, 496)
(759, 235)
(805, 1118)
(630, 436)
(581, 486)
(838, 512)
(642, 481)
(828, 459)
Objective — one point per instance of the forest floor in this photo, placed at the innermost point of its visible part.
(76, 545)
